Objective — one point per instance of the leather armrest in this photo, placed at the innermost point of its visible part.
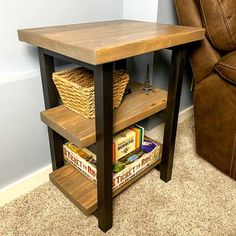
(226, 67)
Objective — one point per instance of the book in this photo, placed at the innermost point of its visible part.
(139, 134)
(127, 141)
(123, 170)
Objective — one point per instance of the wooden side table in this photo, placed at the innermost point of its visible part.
(96, 46)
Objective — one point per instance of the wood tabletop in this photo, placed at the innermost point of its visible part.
(102, 42)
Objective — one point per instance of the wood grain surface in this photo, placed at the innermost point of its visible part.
(81, 131)
(82, 191)
(102, 42)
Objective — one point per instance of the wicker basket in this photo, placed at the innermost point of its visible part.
(76, 89)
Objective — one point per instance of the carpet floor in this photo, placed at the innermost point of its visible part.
(199, 200)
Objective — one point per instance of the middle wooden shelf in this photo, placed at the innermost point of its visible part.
(81, 131)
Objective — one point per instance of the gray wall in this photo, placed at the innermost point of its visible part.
(23, 138)
(167, 14)
(160, 65)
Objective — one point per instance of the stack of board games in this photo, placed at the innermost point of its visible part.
(127, 141)
(124, 169)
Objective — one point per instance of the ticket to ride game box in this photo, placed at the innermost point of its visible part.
(124, 169)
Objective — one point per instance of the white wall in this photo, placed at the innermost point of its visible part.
(140, 10)
(17, 57)
(23, 138)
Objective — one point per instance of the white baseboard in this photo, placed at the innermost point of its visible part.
(185, 114)
(24, 185)
(39, 177)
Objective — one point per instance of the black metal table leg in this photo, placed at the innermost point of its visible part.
(51, 99)
(104, 132)
(121, 64)
(173, 102)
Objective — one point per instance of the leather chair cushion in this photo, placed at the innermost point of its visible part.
(226, 67)
(215, 122)
(219, 20)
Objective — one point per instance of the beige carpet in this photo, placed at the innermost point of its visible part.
(199, 200)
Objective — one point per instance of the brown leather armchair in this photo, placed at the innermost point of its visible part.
(213, 62)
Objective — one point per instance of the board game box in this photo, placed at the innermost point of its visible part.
(127, 141)
(124, 169)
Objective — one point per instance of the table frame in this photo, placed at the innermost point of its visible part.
(104, 121)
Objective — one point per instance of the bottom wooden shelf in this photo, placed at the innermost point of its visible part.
(80, 190)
